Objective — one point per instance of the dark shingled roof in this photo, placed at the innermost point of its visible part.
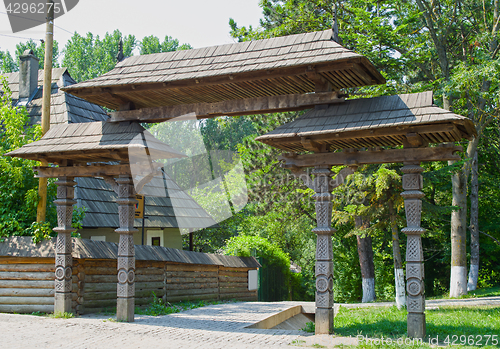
(22, 246)
(99, 199)
(276, 66)
(371, 122)
(64, 108)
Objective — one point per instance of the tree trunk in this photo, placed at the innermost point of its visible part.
(474, 227)
(365, 252)
(458, 279)
(399, 277)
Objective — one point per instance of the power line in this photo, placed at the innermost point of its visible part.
(19, 37)
(35, 20)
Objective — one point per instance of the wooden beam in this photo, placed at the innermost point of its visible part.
(313, 146)
(248, 106)
(354, 157)
(81, 171)
(380, 132)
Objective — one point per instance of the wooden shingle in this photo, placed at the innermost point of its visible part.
(359, 123)
(264, 61)
(93, 142)
(21, 246)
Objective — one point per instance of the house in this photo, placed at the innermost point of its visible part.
(162, 226)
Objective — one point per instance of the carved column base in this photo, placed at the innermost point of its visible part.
(416, 325)
(323, 321)
(62, 302)
(125, 309)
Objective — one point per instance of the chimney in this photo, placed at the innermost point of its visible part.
(28, 74)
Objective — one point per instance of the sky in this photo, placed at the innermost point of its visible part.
(200, 23)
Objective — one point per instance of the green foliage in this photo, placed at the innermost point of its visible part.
(159, 308)
(245, 246)
(310, 327)
(78, 216)
(89, 56)
(39, 51)
(60, 315)
(18, 187)
(275, 274)
(40, 231)
(7, 64)
(151, 44)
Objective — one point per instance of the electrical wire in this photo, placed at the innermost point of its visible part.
(20, 37)
(35, 20)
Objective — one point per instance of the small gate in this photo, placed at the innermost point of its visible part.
(272, 283)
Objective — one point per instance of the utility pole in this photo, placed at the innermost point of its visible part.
(47, 89)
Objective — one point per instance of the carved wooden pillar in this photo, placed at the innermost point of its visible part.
(126, 250)
(324, 252)
(64, 260)
(412, 184)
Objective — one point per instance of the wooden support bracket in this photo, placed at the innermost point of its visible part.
(81, 171)
(356, 158)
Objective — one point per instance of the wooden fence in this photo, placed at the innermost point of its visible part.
(27, 283)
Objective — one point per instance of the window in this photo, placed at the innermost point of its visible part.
(155, 241)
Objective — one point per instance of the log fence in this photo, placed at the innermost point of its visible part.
(27, 283)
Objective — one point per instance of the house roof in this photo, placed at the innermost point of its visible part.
(64, 108)
(94, 142)
(82, 136)
(172, 208)
(22, 246)
(372, 122)
(277, 66)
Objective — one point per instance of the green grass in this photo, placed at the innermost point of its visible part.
(389, 322)
(480, 292)
(59, 315)
(158, 307)
(483, 292)
(310, 327)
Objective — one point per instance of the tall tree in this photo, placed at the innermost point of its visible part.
(474, 227)
(7, 64)
(39, 51)
(18, 185)
(365, 253)
(87, 57)
(151, 44)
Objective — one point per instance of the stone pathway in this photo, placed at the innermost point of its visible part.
(221, 326)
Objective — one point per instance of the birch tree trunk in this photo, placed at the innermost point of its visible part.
(365, 252)
(474, 227)
(458, 279)
(399, 277)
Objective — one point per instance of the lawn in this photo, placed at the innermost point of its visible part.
(456, 326)
(480, 292)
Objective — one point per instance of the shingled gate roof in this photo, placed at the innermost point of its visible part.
(372, 122)
(64, 108)
(93, 142)
(268, 67)
(22, 246)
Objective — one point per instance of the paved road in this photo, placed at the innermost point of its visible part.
(221, 326)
